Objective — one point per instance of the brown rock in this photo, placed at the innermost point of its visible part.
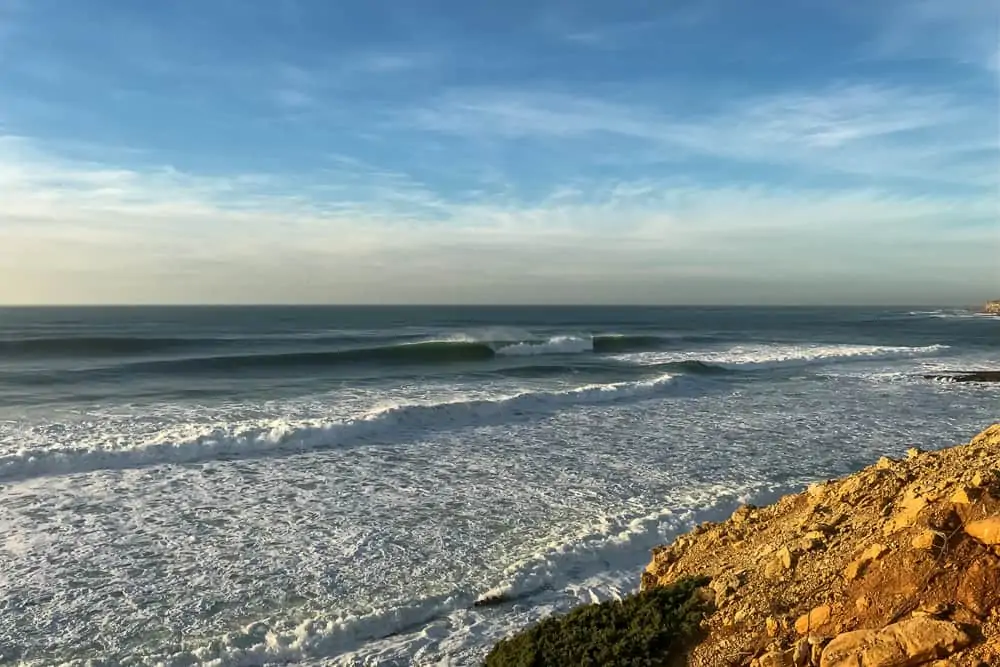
(724, 587)
(743, 514)
(905, 644)
(772, 626)
(909, 508)
(801, 653)
(913, 452)
(858, 566)
(814, 619)
(927, 540)
(979, 590)
(782, 562)
(884, 463)
(775, 659)
(964, 496)
(986, 531)
(845, 649)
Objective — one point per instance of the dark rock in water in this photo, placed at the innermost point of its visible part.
(491, 600)
(966, 376)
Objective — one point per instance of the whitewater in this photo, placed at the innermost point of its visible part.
(349, 486)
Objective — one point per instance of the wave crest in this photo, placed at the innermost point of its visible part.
(280, 438)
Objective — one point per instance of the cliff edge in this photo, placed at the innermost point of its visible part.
(897, 565)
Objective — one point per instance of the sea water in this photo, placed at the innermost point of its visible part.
(340, 486)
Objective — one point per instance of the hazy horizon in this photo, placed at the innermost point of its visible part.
(304, 153)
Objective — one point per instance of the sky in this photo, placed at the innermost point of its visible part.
(524, 151)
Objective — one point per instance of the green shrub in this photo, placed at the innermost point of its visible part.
(642, 629)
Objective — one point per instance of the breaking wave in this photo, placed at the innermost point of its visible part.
(431, 352)
(282, 438)
(746, 357)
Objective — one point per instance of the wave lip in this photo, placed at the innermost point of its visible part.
(276, 438)
(555, 345)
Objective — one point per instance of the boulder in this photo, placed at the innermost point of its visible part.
(908, 643)
(986, 530)
(812, 620)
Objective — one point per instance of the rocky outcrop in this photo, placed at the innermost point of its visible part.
(992, 307)
(897, 565)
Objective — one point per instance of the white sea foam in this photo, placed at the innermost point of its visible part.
(750, 356)
(556, 345)
(598, 561)
(952, 314)
(281, 437)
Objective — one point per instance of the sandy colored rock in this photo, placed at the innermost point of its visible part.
(910, 507)
(904, 644)
(812, 620)
(845, 649)
(775, 659)
(964, 495)
(884, 463)
(927, 540)
(890, 556)
(979, 590)
(858, 565)
(986, 530)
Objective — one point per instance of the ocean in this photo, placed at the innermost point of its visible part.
(340, 486)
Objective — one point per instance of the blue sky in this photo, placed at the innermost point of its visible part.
(425, 151)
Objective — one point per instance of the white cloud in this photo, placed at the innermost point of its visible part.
(82, 232)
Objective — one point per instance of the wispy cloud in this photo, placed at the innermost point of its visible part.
(964, 31)
(855, 128)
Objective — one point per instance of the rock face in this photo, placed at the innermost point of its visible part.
(992, 307)
(897, 565)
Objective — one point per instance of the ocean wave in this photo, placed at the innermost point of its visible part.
(556, 345)
(78, 346)
(952, 315)
(455, 350)
(282, 438)
(779, 355)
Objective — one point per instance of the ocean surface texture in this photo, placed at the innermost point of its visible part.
(254, 486)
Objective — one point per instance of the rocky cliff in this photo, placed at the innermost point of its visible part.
(897, 565)
(992, 307)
